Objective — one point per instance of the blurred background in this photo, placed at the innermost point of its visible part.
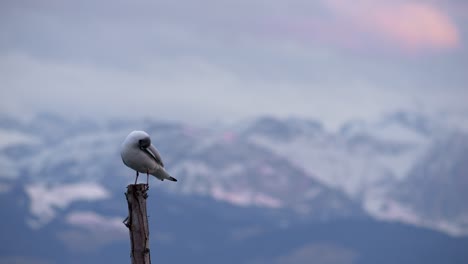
(325, 131)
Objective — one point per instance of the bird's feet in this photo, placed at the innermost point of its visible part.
(147, 179)
(137, 173)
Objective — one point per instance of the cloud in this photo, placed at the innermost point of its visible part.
(195, 89)
(410, 25)
(216, 60)
(123, 33)
(246, 198)
(417, 26)
(187, 89)
(46, 200)
(94, 222)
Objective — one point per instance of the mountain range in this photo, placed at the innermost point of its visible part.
(402, 177)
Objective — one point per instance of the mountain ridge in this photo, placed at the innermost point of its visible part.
(268, 162)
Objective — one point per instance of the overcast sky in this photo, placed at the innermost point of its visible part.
(223, 60)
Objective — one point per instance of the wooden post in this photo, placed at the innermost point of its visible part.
(137, 223)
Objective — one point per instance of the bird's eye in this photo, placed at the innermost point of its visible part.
(144, 143)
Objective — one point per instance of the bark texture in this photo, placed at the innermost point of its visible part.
(137, 223)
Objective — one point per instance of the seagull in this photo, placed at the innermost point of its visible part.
(139, 154)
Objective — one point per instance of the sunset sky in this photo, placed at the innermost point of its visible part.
(202, 61)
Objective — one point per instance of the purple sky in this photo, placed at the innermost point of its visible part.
(224, 60)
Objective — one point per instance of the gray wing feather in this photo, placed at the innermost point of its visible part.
(155, 154)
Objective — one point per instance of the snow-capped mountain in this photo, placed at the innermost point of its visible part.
(389, 169)
(87, 228)
(436, 186)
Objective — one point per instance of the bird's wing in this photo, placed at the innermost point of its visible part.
(153, 153)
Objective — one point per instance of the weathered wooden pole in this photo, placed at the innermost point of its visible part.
(137, 223)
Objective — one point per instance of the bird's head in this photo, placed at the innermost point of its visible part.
(141, 139)
(144, 142)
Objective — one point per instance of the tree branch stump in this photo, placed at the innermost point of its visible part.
(137, 223)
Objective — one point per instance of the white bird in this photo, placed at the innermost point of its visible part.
(139, 154)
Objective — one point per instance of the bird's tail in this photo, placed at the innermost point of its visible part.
(163, 175)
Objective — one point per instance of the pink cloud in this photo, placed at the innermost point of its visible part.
(415, 26)
(411, 26)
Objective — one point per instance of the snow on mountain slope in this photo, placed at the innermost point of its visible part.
(12, 137)
(210, 163)
(375, 162)
(435, 189)
(291, 164)
(11, 140)
(360, 157)
(246, 174)
(45, 200)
